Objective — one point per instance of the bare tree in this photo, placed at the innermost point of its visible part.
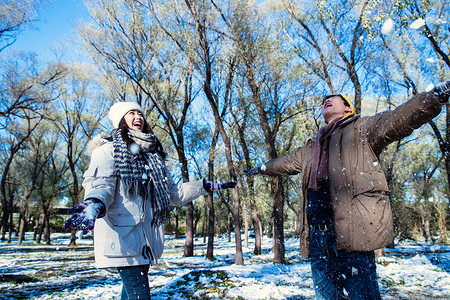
(262, 67)
(17, 137)
(31, 164)
(438, 38)
(77, 115)
(241, 125)
(190, 31)
(160, 77)
(211, 210)
(47, 193)
(16, 16)
(339, 33)
(22, 76)
(22, 82)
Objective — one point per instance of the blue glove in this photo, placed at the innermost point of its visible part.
(214, 187)
(84, 215)
(252, 171)
(442, 91)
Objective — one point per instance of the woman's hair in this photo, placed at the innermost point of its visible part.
(123, 127)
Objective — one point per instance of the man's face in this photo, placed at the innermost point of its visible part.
(333, 108)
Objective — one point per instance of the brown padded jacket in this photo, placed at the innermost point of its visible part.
(358, 186)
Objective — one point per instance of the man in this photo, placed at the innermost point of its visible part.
(346, 213)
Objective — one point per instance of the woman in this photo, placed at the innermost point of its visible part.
(128, 193)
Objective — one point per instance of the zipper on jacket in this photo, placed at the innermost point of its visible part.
(147, 249)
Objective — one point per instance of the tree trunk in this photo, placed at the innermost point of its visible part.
(40, 231)
(297, 223)
(206, 69)
(177, 224)
(11, 225)
(277, 185)
(73, 237)
(257, 227)
(231, 172)
(245, 217)
(205, 220)
(75, 192)
(210, 246)
(47, 230)
(196, 220)
(5, 204)
(7, 209)
(22, 226)
(250, 183)
(442, 217)
(36, 226)
(23, 217)
(278, 223)
(425, 226)
(229, 228)
(189, 240)
(237, 224)
(211, 212)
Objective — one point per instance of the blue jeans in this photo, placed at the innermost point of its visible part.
(333, 271)
(135, 282)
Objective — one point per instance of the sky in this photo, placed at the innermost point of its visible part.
(55, 25)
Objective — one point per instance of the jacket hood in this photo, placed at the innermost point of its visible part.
(347, 119)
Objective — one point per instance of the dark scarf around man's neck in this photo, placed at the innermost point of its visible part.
(319, 166)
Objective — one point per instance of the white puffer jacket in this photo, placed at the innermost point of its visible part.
(125, 236)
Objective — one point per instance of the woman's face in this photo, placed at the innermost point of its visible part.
(134, 120)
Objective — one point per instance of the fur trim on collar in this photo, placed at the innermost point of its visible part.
(98, 141)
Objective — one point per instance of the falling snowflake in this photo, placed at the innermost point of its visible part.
(429, 87)
(440, 22)
(134, 148)
(418, 24)
(387, 26)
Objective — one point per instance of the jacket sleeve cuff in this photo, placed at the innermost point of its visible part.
(102, 212)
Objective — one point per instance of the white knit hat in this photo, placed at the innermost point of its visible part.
(119, 109)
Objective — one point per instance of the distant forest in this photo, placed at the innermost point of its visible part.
(226, 85)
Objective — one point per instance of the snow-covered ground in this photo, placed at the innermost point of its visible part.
(410, 271)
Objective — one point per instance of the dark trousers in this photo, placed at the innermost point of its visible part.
(135, 282)
(333, 271)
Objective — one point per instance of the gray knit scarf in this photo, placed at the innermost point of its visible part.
(135, 170)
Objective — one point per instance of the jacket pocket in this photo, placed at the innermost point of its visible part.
(370, 182)
(122, 219)
(122, 241)
(371, 221)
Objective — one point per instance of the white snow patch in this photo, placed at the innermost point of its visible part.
(408, 270)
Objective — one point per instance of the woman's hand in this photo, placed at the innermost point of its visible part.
(84, 215)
